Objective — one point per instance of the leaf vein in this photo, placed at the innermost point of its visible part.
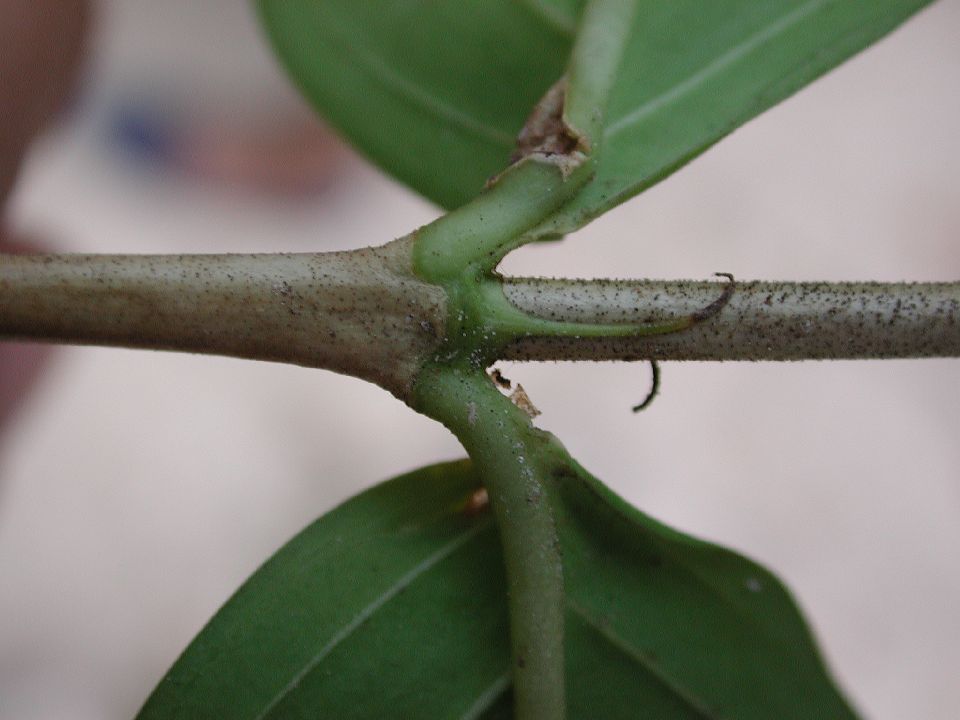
(366, 613)
(687, 697)
(382, 72)
(552, 16)
(488, 697)
(718, 65)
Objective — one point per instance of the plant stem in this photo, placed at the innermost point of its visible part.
(762, 320)
(362, 312)
(460, 252)
(472, 239)
(514, 460)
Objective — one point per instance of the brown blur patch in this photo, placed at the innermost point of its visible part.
(41, 43)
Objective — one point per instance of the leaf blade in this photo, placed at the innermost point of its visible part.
(432, 92)
(693, 72)
(679, 92)
(304, 635)
(657, 621)
(721, 635)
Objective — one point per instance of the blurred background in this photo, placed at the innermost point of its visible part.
(138, 489)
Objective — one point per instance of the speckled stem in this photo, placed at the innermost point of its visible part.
(460, 252)
(515, 461)
(762, 320)
(362, 313)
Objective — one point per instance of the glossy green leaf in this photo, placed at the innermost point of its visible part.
(435, 92)
(393, 606)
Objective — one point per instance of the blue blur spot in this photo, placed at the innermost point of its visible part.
(144, 134)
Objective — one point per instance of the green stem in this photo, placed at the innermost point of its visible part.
(460, 252)
(513, 459)
(474, 238)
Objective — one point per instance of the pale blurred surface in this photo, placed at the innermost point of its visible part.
(137, 489)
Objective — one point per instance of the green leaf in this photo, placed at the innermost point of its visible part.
(695, 71)
(390, 606)
(677, 626)
(393, 606)
(435, 92)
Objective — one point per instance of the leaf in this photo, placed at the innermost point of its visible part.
(696, 71)
(390, 606)
(436, 92)
(433, 92)
(677, 626)
(393, 606)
